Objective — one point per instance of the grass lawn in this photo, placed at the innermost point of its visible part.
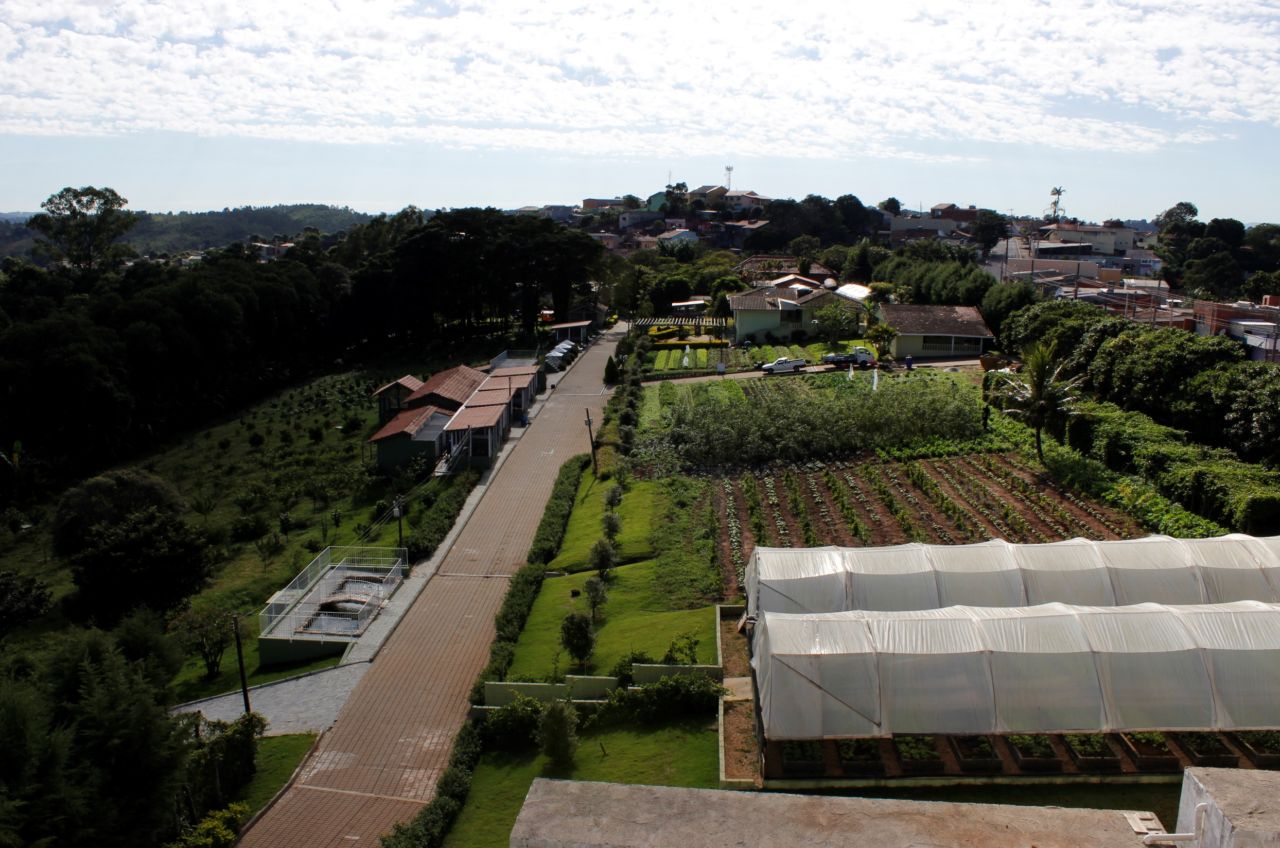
(1159, 798)
(675, 755)
(636, 511)
(190, 683)
(278, 756)
(636, 617)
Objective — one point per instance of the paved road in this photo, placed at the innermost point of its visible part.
(379, 763)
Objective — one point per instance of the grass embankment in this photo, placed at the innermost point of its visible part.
(651, 602)
(636, 513)
(675, 755)
(278, 757)
(303, 452)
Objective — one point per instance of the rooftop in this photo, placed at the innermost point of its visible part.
(408, 381)
(476, 416)
(581, 814)
(408, 422)
(455, 384)
(915, 320)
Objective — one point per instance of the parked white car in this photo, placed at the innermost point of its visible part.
(783, 365)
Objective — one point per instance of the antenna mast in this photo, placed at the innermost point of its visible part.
(728, 177)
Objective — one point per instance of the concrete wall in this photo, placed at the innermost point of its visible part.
(278, 651)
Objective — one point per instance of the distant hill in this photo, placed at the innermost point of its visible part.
(174, 232)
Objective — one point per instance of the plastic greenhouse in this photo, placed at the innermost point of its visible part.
(997, 573)
(1044, 669)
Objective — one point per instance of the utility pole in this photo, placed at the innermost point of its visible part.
(397, 510)
(591, 440)
(244, 681)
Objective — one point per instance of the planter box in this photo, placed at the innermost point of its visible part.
(1261, 747)
(976, 754)
(1206, 749)
(1148, 754)
(923, 751)
(1087, 751)
(1039, 758)
(861, 757)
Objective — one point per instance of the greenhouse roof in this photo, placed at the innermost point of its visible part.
(1052, 668)
(996, 573)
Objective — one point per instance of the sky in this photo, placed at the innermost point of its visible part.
(1129, 105)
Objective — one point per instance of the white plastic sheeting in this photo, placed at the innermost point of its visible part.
(995, 573)
(1052, 668)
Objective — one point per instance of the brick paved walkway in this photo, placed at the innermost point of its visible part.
(379, 763)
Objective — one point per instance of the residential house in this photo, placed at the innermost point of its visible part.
(708, 194)
(1256, 327)
(936, 330)
(784, 313)
(394, 396)
(738, 200)
(763, 267)
(1111, 241)
(656, 202)
(637, 218)
(674, 238)
(559, 214)
(951, 212)
(592, 203)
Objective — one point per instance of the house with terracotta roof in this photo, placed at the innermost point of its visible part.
(458, 414)
(925, 331)
(763, 267)
(448, 389)
(394, 396)
(784, 313)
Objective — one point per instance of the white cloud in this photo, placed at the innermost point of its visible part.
(801, 79)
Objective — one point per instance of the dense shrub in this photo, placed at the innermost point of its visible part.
(557, 733)
(800, 419)
(514, 726)
(430, 526)
(219, 829)
(671, 698)
(1210, 482)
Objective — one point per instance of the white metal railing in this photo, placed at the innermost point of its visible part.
(309, 618)
(389, 562)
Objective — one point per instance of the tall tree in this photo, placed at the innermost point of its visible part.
(891, 205)
(82, 226)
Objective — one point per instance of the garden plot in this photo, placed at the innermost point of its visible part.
(873, 502)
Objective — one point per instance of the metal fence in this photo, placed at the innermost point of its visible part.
(285, 606)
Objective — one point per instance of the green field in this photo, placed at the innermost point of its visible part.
(278, 757)
(675, 755)
(636, 512)
(636, 617)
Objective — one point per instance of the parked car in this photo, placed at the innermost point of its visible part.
(860, 356)
(783, 365)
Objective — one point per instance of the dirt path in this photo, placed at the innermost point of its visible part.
(379, 763)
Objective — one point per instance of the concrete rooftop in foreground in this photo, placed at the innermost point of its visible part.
(579, 814)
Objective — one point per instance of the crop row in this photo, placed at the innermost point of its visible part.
(950, 500)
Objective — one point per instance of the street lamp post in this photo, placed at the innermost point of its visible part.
(591, 440)
(398, 511)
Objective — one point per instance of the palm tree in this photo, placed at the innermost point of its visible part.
(1039, 396)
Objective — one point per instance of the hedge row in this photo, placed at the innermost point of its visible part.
(522, 591)
(1211, 482)
(438, 518)
(431, 825)
(546, 542)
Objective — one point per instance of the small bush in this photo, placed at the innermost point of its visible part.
(557, 733)
(514, 727)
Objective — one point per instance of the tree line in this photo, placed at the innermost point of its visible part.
(1200, 384)
(101, 356)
